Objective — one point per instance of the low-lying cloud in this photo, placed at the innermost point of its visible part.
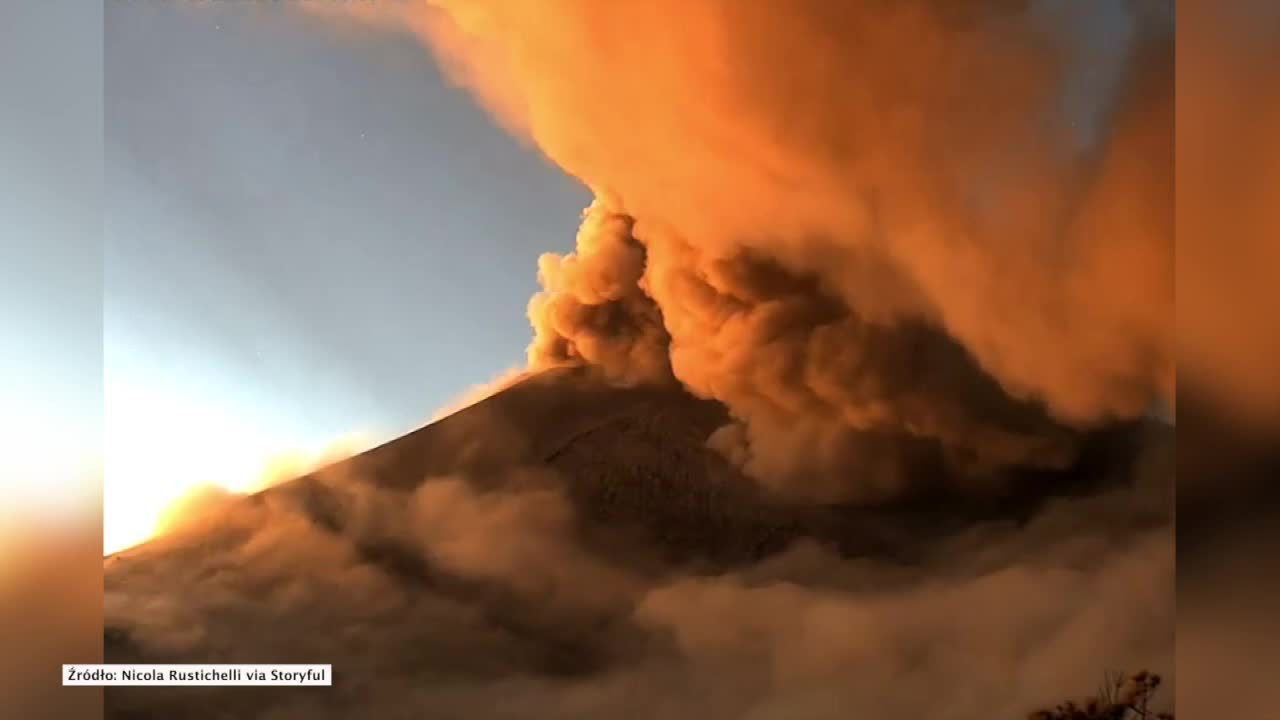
(480, 597)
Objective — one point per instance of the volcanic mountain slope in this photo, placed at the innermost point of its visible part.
(568, 548)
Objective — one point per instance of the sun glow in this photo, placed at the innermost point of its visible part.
(162, 449)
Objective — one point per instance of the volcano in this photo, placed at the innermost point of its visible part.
(573, 548)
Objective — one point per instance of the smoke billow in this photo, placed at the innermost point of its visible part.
(593, 310)
(839, 218)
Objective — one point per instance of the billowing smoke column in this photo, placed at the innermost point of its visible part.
(593, 309)
(817, 387)
(851, 218)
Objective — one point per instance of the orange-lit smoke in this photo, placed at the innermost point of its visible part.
(906, 156)
(840, 218)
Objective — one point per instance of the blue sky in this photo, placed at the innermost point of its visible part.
(306, 224)
(50, 245)
(308, 235)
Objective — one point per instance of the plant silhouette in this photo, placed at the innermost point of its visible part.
(1121, 697)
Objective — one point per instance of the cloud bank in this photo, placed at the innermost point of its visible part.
(480, 597)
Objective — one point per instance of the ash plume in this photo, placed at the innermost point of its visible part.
(593, 309)
(841, 218)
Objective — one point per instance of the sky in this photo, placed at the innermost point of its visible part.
(50, 253)
(310, 237)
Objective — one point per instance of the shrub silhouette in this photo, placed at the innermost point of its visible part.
(1121, 697)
